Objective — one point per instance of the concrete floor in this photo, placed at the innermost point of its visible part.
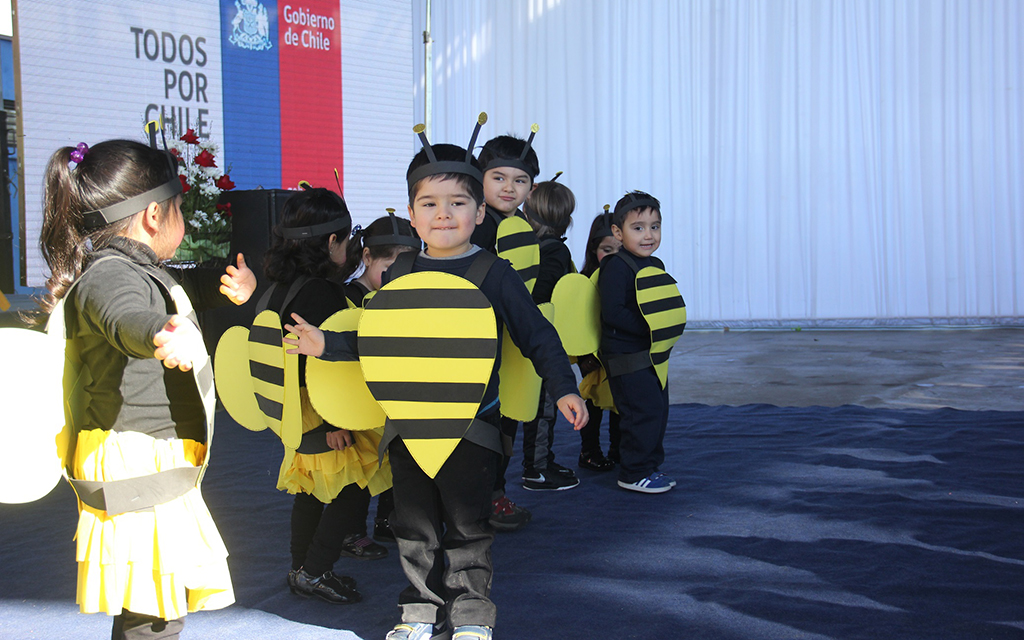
(969, 369)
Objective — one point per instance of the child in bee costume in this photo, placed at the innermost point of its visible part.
(148, 550)
(642, 316)
(334, 471)
(430, 357)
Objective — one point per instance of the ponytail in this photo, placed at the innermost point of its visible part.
(108, 173)
(353, 254)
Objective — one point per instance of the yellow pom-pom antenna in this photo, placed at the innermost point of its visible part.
(534, 128)
(304, 185)
(480, 121)
(420, 128)
(529, 142)
(607, 208)
(390, 210)
(557, 176)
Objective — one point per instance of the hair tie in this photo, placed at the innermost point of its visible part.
(81, 150)
(356, 230)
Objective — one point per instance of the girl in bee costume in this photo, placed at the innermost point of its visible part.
(442, 503)
(147, 550)
(334, 471)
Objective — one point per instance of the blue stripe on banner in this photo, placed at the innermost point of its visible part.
(250, 81)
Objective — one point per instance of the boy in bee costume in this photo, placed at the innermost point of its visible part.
(442, 505)
(642, 316)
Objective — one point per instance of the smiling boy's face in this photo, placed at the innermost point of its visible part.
(641, 232)
(444, 215)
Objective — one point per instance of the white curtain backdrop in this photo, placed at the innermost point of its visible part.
(819, 162)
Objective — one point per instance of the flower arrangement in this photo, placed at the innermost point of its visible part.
(207, 222)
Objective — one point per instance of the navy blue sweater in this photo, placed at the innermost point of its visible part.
(623, 328)
(513, 306)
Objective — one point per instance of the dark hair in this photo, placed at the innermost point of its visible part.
(620, 213)
(598, 232)
(549, 208)
(379, 227)
(509, 147)
(111, 172)
(446, 152)
(289, 258)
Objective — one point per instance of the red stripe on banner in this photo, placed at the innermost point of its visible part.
(309, 33)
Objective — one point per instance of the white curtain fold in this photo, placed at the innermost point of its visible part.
(820, 162)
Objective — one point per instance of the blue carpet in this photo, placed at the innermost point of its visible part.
(787, 523)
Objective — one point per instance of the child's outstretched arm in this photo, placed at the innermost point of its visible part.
(308, 341)
(238, 283)
(575, 410)
(179, 343)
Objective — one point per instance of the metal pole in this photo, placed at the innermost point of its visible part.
(428, 77)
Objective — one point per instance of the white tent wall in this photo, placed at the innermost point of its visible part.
(819, 163)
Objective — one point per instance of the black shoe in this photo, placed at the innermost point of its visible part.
(595, 462)
(328, 587)
(546, 480)
(565, 472)
(382, 530)
(356, 545)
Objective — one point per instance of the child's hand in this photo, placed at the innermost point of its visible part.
(179, 343)
(309, 341)
(238, 283)
(339, 440)
(574, 409)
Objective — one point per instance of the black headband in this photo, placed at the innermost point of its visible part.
(312, 231)
(635, 202)
(394, 238)
(131, 206)
(435, 167)
(97, 218)
(604, 229)
(520, 162)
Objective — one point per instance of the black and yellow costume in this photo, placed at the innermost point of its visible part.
(633, 352)
(332, 488)
(444, 516)
(160, 556)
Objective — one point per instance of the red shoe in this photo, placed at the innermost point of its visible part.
(507, 515)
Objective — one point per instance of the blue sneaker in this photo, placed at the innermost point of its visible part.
(671, 482)
(472, 632)
(654, 483)
(411, 631)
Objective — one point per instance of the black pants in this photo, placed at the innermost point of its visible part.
(643, 413)
(318, 529)
(539, 435)
(445, 519)
(590, 435)
(136, 626)
(508, 436)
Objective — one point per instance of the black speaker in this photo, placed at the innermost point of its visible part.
(254, 213)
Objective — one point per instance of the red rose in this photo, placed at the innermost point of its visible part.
(190, 137)
(185, 186)
(225, 209)
(174, 152)
(205, 159)
(224, 182)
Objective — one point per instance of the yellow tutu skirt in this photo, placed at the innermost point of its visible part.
(163, 562)
(594, 387)
(324, 475)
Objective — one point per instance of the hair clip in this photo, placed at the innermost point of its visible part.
(81, 150)
(356, 229)
(435, 167)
